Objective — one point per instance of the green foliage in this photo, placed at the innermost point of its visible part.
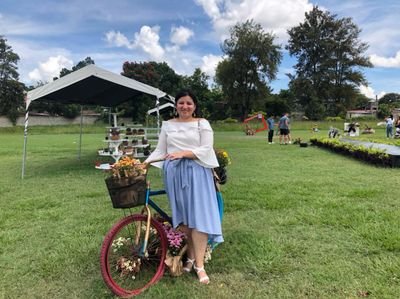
(276, 105)
(71, 111)
(159, 75)
(252, 61)
(329, 63)
(333, 118)
(384, 110)
(370, 155)
(230, 120)
(11, 91)
(390, 98)
(315, 109)
(87, 61)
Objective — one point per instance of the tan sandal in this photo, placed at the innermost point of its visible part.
(205, 279)
(188, 268)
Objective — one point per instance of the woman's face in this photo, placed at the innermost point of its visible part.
(185, 107)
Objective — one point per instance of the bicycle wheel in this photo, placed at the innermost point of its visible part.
(125, 270)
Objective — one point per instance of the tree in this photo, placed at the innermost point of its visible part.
(198, 83)
(329, 62)
(11, 91)
(155, 74)
(64, 71)
(388, 103)
(252, 62)
(390, 98)
(275, 105)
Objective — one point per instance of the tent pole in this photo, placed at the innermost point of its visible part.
(80, 135)
(25, 138)
(158, 116)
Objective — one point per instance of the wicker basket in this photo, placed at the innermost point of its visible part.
(127, 192)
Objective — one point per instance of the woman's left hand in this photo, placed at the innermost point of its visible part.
(179, 155)
(174, 156)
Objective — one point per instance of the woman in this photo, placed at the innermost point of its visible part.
(186, 142)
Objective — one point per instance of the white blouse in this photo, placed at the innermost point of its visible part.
(196, 136)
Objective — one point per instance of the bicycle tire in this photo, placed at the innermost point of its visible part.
(122, 281)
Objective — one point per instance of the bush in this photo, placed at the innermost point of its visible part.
(71, 111)
(333, 118)
(230, 121)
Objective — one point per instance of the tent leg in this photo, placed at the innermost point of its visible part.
(80, 135)
(158, 116)
(25, 143)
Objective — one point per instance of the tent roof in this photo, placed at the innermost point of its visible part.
(161, 107)
(92, 85)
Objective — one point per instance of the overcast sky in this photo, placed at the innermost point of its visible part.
(49, 35)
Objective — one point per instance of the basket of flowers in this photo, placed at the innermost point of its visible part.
(223, 160)
(127, 183)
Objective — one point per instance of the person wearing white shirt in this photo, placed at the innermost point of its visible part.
(186, 142)
(389, 126)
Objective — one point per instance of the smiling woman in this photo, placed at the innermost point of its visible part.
(187, 144)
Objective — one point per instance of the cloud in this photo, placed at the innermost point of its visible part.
(391, 62)
(180, 35)
(117, 39)
(210, 63)
(275, 16)
(148, 40)
(369, 92)
(50, 69)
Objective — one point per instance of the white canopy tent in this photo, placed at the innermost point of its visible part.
(157, 109)
(89, 85)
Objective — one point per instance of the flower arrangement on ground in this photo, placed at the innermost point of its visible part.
(176, 249)
(124, 265)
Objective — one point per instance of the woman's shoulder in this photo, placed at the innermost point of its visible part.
(204, 124)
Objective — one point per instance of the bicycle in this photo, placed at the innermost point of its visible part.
(133, 251)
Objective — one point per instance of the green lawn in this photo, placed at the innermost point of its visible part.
(299, 222)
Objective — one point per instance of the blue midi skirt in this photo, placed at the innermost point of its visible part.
(192, 197)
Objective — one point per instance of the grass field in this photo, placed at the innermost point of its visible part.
(299, 222)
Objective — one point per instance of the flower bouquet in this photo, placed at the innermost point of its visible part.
(176, 249)
(127, 183)
(223, 160)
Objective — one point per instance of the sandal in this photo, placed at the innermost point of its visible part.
(188, 268)
(205, 279)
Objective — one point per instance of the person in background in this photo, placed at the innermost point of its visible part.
(186, 142)
(271, 127)
(389, 126)
(333, 132)
(289, 135)
(283, 129)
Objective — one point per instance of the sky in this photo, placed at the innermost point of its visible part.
(49, 35)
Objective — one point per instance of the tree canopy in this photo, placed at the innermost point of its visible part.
(11, 91)
(329, 63)
(251, 62)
